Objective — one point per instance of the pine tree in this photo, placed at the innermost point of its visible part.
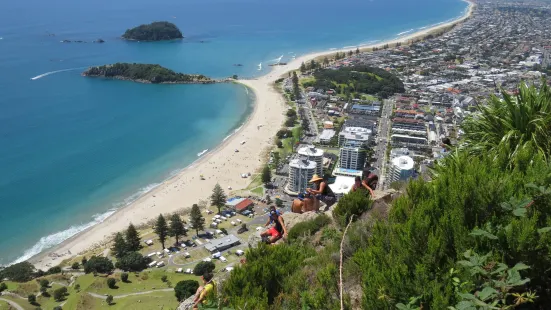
(302, 67)
(196, 218)
(357, 50)
(119, 248)
(132, 239)
(325, 61)
(161, 229)
(218, 197)
(176, 227)
(266, 175)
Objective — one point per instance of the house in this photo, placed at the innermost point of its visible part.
(222, 244)
(245, 204)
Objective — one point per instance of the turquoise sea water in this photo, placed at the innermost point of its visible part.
(73, 149)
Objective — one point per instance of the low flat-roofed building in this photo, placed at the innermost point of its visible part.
(342, 186)
(221, 244)
(326, 136)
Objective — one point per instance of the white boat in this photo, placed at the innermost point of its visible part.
(259, 66)
(202, 153)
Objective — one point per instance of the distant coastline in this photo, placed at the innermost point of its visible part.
(267, 112)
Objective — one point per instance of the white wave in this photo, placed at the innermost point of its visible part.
(333, 48)
(58, 237)
(425, 27)
(349, 46)
(53, 72)
(227, 137)
(130, 199)
(405, 32)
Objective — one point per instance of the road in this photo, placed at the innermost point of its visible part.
(132, 294)
(383, 138)
(13, 304)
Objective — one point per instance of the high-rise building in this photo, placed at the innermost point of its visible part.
(352, 156)
(401, 168)
(300, 172)
(357, 134)
(314, 154)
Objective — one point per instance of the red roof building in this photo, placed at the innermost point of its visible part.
(244, 205)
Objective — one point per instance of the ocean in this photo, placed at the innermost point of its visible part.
(74, 149)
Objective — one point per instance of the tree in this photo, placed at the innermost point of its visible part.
(54, 270)
(185, 289)
(224, 231)
(514, 128)
(218, 197)
(203, 267)
(266, 175)
(357, 51)
(176, 227)
(3, 287)
(98, 264)
(133, 261)
(164, 278)
(119, 247)
(353, 203)
(109, 299)
(268, 199)
(20, 272)
(75, 266)
(132, 239)
(32, 299)
(124, 277)
(60, 293)
(57, 308)
(197, 220)
(44, 283)
(279, 144)
(77, 287)
(325, 61)
(302, 67)
(161, 229)
(279, 203)
(84, 260)
(111, 282)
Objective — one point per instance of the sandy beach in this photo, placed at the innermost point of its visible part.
(222, 165)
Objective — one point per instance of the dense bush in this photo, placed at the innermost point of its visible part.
(308, 228)
(155, 31)
(3, 287)
(111, 282)
(124, 277)
(203, 267)
(60, 293)
(98, 264)
(75, 266)
(109, 299)
(357, 79)
(54, 270)
(31, 299)
(133, 261)
(186, 288)
(20, 272)
(144, 72)
(44, 283)
(353, 203)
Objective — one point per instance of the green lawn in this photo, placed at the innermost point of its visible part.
(145, 281)
(307, 80)
(258, 191)
(157, 300)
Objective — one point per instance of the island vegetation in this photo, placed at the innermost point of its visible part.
(145, 73)
(156, 31)
(356, 80)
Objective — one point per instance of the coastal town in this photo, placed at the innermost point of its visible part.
(336, 129)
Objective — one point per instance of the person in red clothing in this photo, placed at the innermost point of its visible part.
(278, 229)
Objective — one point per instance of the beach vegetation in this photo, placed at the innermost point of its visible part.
(266, 175)
(132, 239)
(145, 73)
(99, 264)
(156, 31)
(185, 289)
(133, 261)
(20, 272)
(284, 133)
(176, 228)
(161, 229)
(54, 270)
(119, 248)
(203, 267)
(218, 197)
(197, 220)
(357, 79)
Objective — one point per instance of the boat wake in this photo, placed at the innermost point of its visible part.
(53, 72)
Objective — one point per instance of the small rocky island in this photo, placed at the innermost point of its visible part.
(145, 73)
(156, 31)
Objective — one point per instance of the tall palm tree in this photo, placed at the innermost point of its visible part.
(513, 128)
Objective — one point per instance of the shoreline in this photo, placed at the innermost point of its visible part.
(220, 165)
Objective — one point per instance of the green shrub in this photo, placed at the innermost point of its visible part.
(75, 265)
(32, 299)
(20, 272)
(185, 288)
(203, 267)
(124, 277)
(60, 293)
(3, 287)
(98, 264)
(111, 282)
(308, 228)
(133, 261)
(353, 203)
